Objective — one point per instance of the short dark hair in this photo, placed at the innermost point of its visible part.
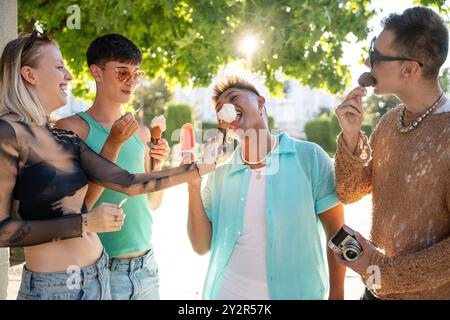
(113, 47)
(420, 33)
(232, 82)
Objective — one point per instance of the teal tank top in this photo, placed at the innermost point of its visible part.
(136, 231)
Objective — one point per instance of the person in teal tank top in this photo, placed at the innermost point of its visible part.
(114, 63)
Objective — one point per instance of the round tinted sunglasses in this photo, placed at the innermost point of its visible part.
(124, 75)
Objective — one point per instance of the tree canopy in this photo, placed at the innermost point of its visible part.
(187, 41)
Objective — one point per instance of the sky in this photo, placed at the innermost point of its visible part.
(353, 51)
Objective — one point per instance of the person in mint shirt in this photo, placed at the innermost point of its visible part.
(114, 63)
(266, 213)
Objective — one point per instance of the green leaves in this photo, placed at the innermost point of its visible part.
(176, 115)
(190, 40)
(440, 4)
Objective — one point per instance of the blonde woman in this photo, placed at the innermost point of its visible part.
(44, 174)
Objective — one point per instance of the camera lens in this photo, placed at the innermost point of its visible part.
(352, 251)
(350, 254)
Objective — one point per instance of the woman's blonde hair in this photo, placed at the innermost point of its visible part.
(16, 94)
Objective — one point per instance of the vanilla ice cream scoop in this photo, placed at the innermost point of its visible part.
(227, 113)
(159, 121)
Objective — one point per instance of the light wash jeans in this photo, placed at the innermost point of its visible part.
(135, 279)
(4, 267)
(90, 283)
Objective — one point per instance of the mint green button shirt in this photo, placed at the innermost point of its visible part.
(300, 184)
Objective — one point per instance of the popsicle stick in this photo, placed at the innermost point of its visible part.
(122, 202)
(136, 111)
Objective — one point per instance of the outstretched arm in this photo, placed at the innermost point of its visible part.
(107, 174)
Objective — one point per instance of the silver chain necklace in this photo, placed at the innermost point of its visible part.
(415, 123)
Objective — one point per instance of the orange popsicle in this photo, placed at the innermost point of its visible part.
(187, 142)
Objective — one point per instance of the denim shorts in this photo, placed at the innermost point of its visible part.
(90, 283)
(134, 279)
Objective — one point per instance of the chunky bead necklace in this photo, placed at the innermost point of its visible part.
(415, 123)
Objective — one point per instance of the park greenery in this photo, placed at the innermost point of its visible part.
(187, 42)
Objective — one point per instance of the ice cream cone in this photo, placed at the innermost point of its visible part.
(157, 127)
(156, 133)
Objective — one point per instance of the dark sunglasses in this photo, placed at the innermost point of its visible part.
(374, 57)
(35, 36)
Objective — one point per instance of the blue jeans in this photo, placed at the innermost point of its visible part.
(135, 279)
(90, 283)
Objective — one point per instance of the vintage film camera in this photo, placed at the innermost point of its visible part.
(345, 244)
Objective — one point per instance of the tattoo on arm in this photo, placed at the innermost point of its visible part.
(21, 233)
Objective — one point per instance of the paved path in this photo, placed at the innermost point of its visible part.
(182, 271)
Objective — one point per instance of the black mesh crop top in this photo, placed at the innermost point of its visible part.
(44, 173)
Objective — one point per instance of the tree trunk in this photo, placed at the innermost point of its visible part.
(8, 31)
